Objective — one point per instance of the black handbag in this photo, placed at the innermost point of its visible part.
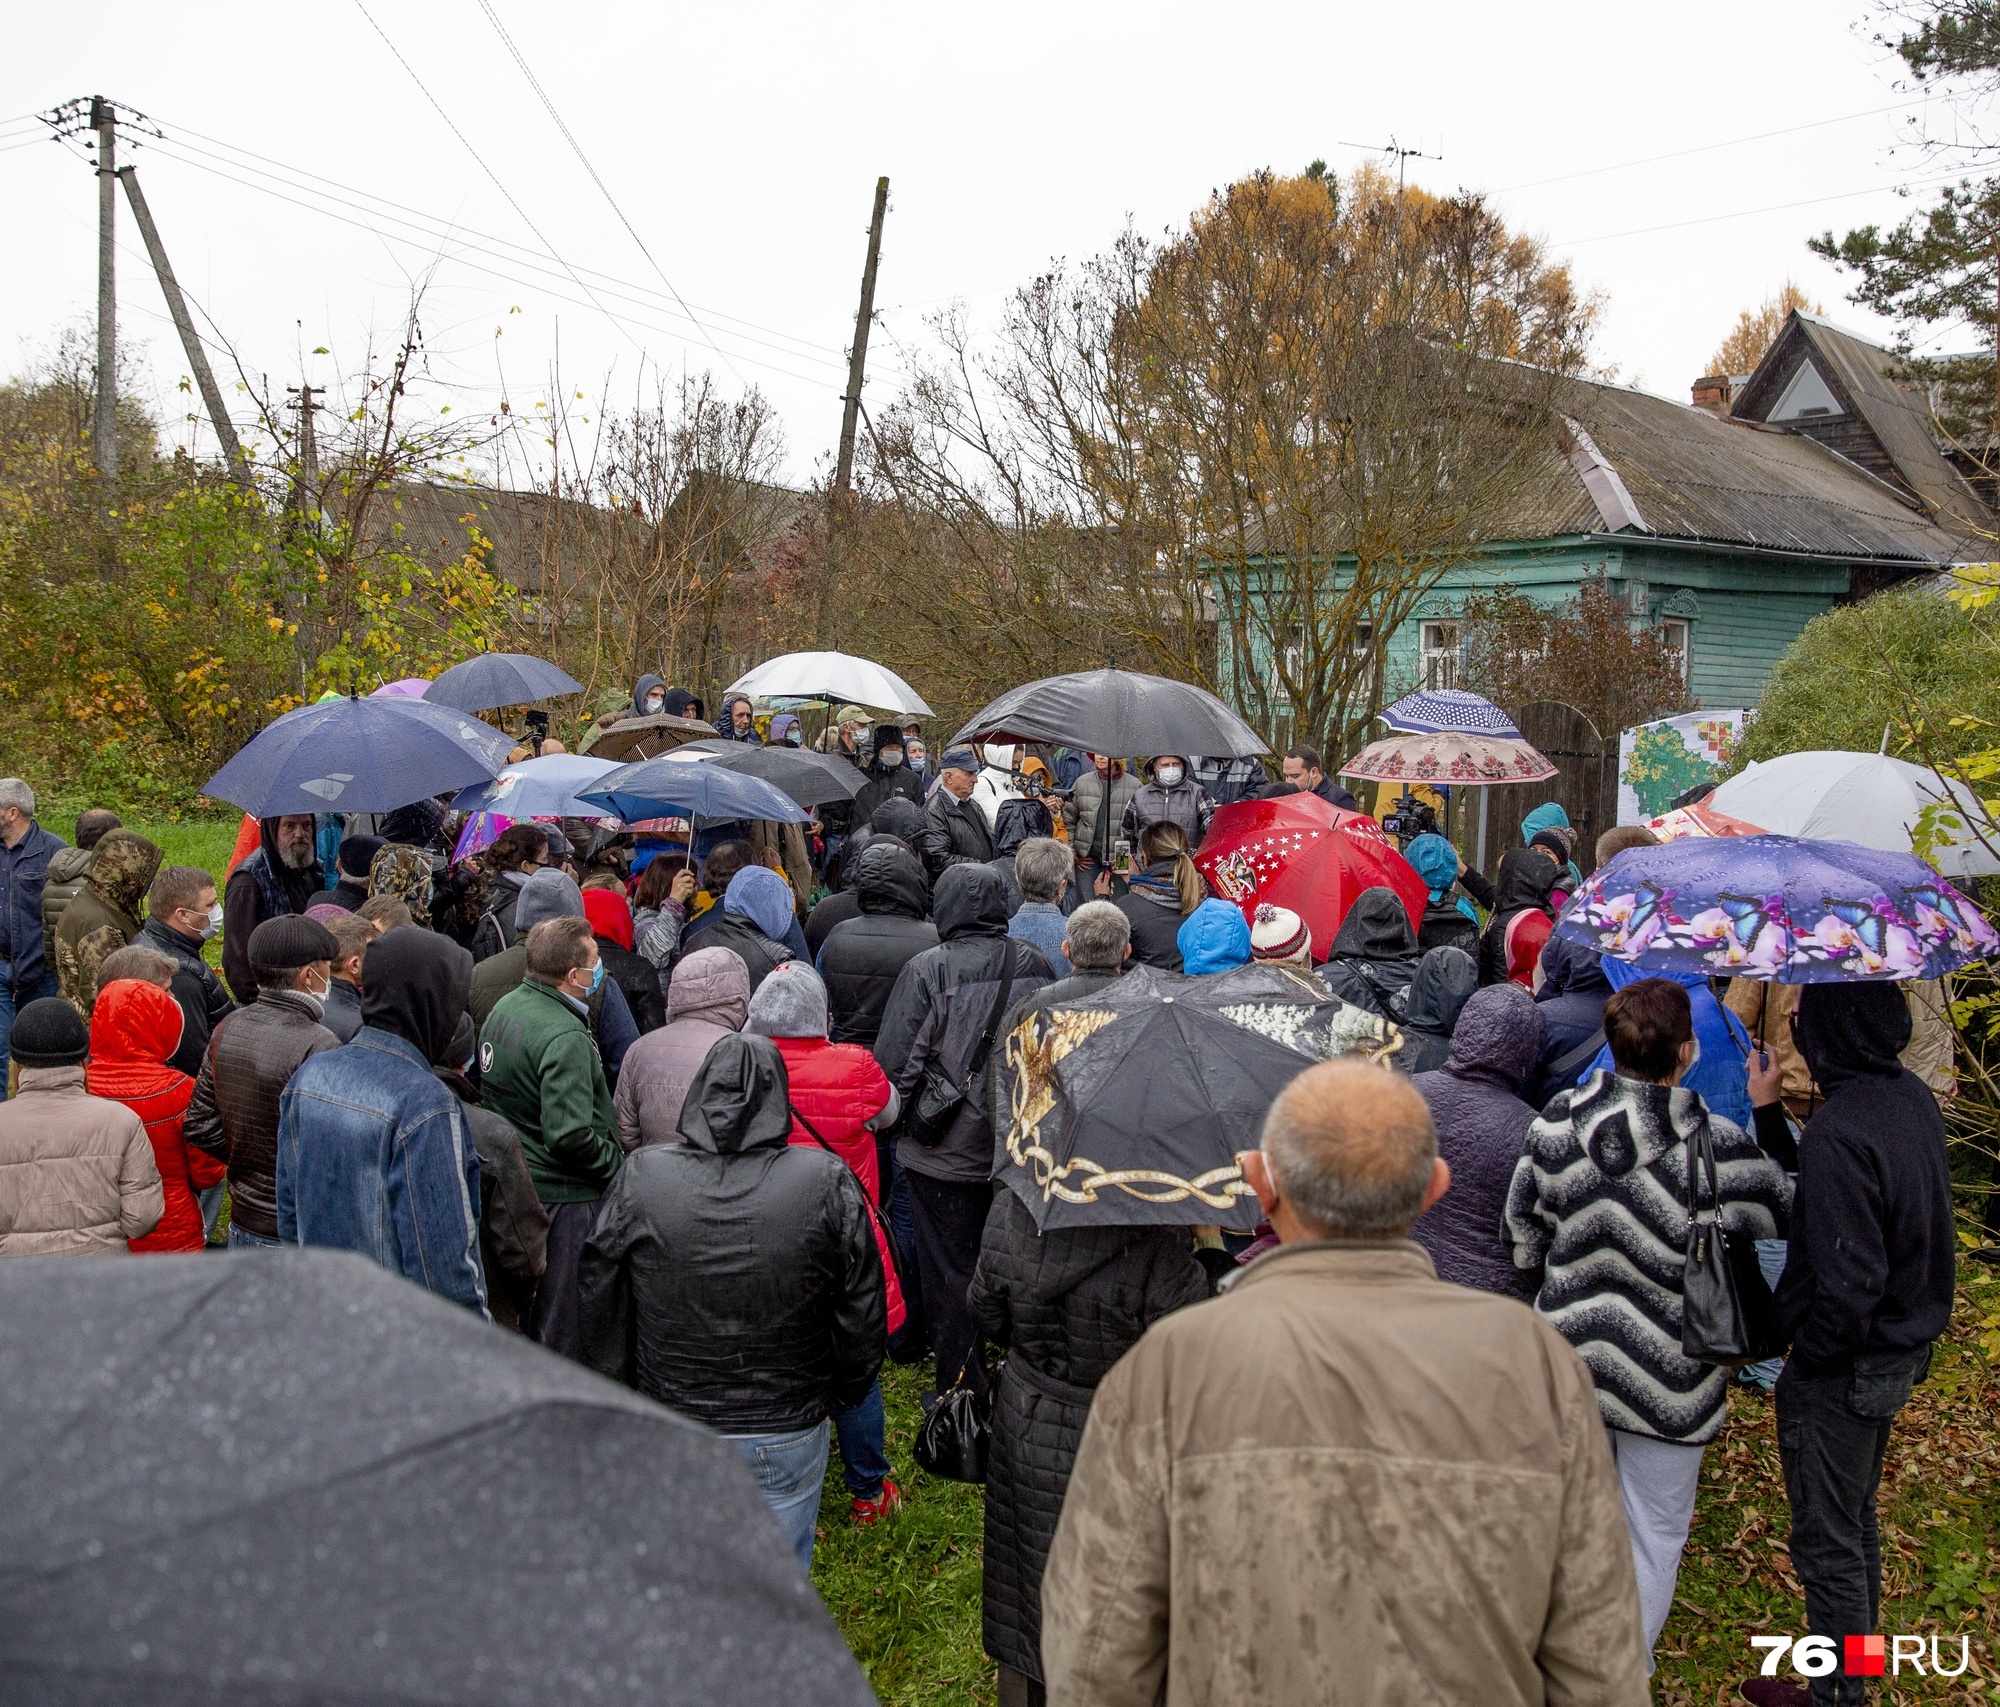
(1727, 1314)
(939, 1096)
(874, 1209)
(952, 1439)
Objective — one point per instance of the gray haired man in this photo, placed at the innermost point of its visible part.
(27, 968)
(1344, 1467)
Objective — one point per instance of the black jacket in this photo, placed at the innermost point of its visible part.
(954, 832)
(348, 893)
(1335, 795)
(835, 909)
(1444, 982)
(343, 1010)
(495, 932)
(1571, 1002)
(757, 951)
(1526, 877)
(1153, 909)
(234, 1112)
(640, 983)
(1066, 1305)
(863, 956)
(939, 1012)
(204, 1003)
(513, 1225)
(1374, 957)
(882, 786)
(1444, 926)
(1869, 1271)
(245, 905)
(735, 1276)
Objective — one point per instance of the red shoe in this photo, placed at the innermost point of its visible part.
(1774, 1692)
(889, 1499)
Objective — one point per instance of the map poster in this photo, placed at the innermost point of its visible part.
(1657, 762)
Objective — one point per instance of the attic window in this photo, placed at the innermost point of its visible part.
(1807, 397)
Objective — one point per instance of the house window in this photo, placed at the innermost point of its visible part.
(1678, 636)
(1362, 650)
(1437, 647)
(1808, 396)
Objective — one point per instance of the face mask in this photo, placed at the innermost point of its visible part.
(315, 999)
(596, 978)
(1169, 775)
(889, 761)
(214, 922)
(655, 703)
(917, 762)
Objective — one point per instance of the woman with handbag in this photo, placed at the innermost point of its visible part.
(1065, 1305)
(1600, 1204)
(840, 1100)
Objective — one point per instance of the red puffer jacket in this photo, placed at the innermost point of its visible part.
(134, 1028)
(838, 1087)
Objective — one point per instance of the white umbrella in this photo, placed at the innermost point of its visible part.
(832, 676)
(1869, 798)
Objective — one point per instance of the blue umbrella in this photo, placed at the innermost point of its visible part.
(500, 678)
(359, 755)
(1776, 908)
(1443, 711)
(670, 786)
(540, 788)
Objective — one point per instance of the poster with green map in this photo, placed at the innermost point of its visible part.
(1659, 761)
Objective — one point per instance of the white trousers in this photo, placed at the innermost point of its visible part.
(1657, 1480)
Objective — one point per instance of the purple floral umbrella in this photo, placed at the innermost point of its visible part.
(1776, 908)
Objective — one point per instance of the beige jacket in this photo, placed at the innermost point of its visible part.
(1344, 1480)
(1931, 1054)
(77, 1176)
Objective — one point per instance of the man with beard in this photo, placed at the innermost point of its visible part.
(373, 1154)
(278, 879)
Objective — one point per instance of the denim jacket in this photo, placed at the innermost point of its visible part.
(24, 869)
(373, 1156)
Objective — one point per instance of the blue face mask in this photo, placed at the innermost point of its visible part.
(596, 978)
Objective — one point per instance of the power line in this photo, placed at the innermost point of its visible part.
(541, 94)
(1749, 212)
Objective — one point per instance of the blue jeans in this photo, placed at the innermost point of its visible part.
(789, 1469)
(862, 1433)
(12, 1001)
(1770, 1264)
(242, 1237)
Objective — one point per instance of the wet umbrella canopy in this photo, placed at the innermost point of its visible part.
(1120, 712)
(289, 1476)
(1128, 1108)
(812, 779)
(500, 678)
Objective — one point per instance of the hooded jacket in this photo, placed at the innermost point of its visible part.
(1374, 956)
(886, 782)
(863, 956)
(640, 689)
(204, 1003)
(1869, 1272)
(1186, 804)
(1482, 1128)
(1521, 919)
(77, 1175)
(135, 1031)
(105, 917)
(940, 1012)
(1445, 980)
(610, 916)
(262, 887)
(681, 703)
(1065, 1306)
(735, 1277)
(1215, 937)
(758, 911)
(234, 1112)
(373, 1152)
(1449, 920)
(725, 725)
(1572, 997)
(707, 1001)
(1599, 1204)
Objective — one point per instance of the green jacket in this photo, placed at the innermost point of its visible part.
(540, 1068)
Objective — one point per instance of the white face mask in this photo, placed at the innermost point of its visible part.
(316, 999)
(214, 922)
(1168, 774)
(889, 761)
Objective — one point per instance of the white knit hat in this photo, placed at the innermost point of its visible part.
(1278, 933)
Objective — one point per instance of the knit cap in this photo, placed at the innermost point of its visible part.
(357, 853)
(290, 941)
(49, 1033)
(1278, 933)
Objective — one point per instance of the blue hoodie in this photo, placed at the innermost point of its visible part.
(1214, 938)
(1719, 1075)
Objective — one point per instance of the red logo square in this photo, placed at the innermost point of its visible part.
(1867, 1656)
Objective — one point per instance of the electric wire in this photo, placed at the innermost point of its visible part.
(1752, 212)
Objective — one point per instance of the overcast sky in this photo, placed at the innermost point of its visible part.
(743, 143)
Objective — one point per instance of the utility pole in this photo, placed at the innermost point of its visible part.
(104, 120)
(857, 366)
(305, 479)
(211, 393)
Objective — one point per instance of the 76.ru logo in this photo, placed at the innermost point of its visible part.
(1861, 1656)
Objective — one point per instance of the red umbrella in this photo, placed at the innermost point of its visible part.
(1299, 852)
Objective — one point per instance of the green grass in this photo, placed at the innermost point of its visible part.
(905, 1591)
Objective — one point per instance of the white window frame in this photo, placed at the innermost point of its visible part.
(1437, 653)
(1670, 627)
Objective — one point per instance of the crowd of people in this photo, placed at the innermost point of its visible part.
(728, 1136)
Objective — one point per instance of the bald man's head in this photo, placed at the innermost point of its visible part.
(1351, 1148)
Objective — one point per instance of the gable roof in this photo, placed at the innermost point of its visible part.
(1681, 473)
(1893, 413)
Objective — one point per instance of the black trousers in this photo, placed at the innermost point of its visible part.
(1832, 1434)
(558, 1318)
(949, 1219)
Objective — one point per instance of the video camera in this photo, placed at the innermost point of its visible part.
(1411, 819)
(538, 729)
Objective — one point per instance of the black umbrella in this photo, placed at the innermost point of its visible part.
(812, 779)
(292, 1477)
(1118, 712)
(1128, 1108)
(500, 678)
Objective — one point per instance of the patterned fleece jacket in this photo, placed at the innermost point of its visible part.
(1599, 1205)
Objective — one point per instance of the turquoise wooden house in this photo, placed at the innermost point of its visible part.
(1730, 522)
